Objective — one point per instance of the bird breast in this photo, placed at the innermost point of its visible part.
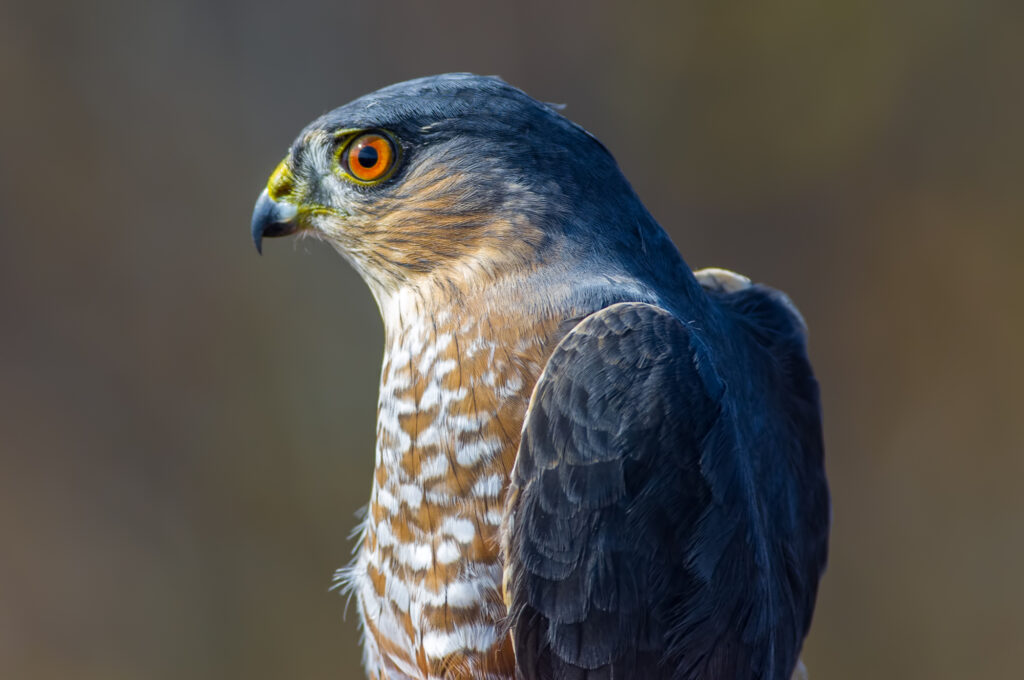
(454, 392)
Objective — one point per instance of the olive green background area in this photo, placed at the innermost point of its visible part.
(186, 429)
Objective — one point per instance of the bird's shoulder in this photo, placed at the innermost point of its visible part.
(767, 312)
(651, 529)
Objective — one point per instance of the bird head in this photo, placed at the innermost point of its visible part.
(450, 179)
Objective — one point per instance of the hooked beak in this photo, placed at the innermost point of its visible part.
(275, 211)
(272, 218)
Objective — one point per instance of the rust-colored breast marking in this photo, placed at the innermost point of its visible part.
(428, 577)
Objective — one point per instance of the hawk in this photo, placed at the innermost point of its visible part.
(591, 462)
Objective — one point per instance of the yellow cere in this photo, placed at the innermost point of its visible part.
(281, 181)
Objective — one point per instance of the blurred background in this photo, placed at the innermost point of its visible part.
(186, 429)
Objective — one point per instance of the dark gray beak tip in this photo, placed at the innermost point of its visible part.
(271, 218)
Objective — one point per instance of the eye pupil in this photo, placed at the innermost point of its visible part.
(368, 156)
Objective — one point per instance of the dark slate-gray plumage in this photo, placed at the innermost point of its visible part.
(672, 516)
(669, 512)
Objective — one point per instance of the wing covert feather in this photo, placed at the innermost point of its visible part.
(632, 546)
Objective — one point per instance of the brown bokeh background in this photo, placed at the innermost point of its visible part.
(186, 429)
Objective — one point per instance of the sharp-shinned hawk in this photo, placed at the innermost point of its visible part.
(591, 462)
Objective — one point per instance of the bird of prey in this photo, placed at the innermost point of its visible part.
(591, 462)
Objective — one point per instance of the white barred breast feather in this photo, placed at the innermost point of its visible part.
(427, 578)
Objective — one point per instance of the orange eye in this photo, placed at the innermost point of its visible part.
(369, 157)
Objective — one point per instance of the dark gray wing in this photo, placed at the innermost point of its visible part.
(636, 545)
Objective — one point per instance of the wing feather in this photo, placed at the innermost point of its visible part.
(637, 543)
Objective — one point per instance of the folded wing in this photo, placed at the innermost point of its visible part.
(635, 546)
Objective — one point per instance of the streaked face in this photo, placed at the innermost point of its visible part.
(448, 181)
(399, 209)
